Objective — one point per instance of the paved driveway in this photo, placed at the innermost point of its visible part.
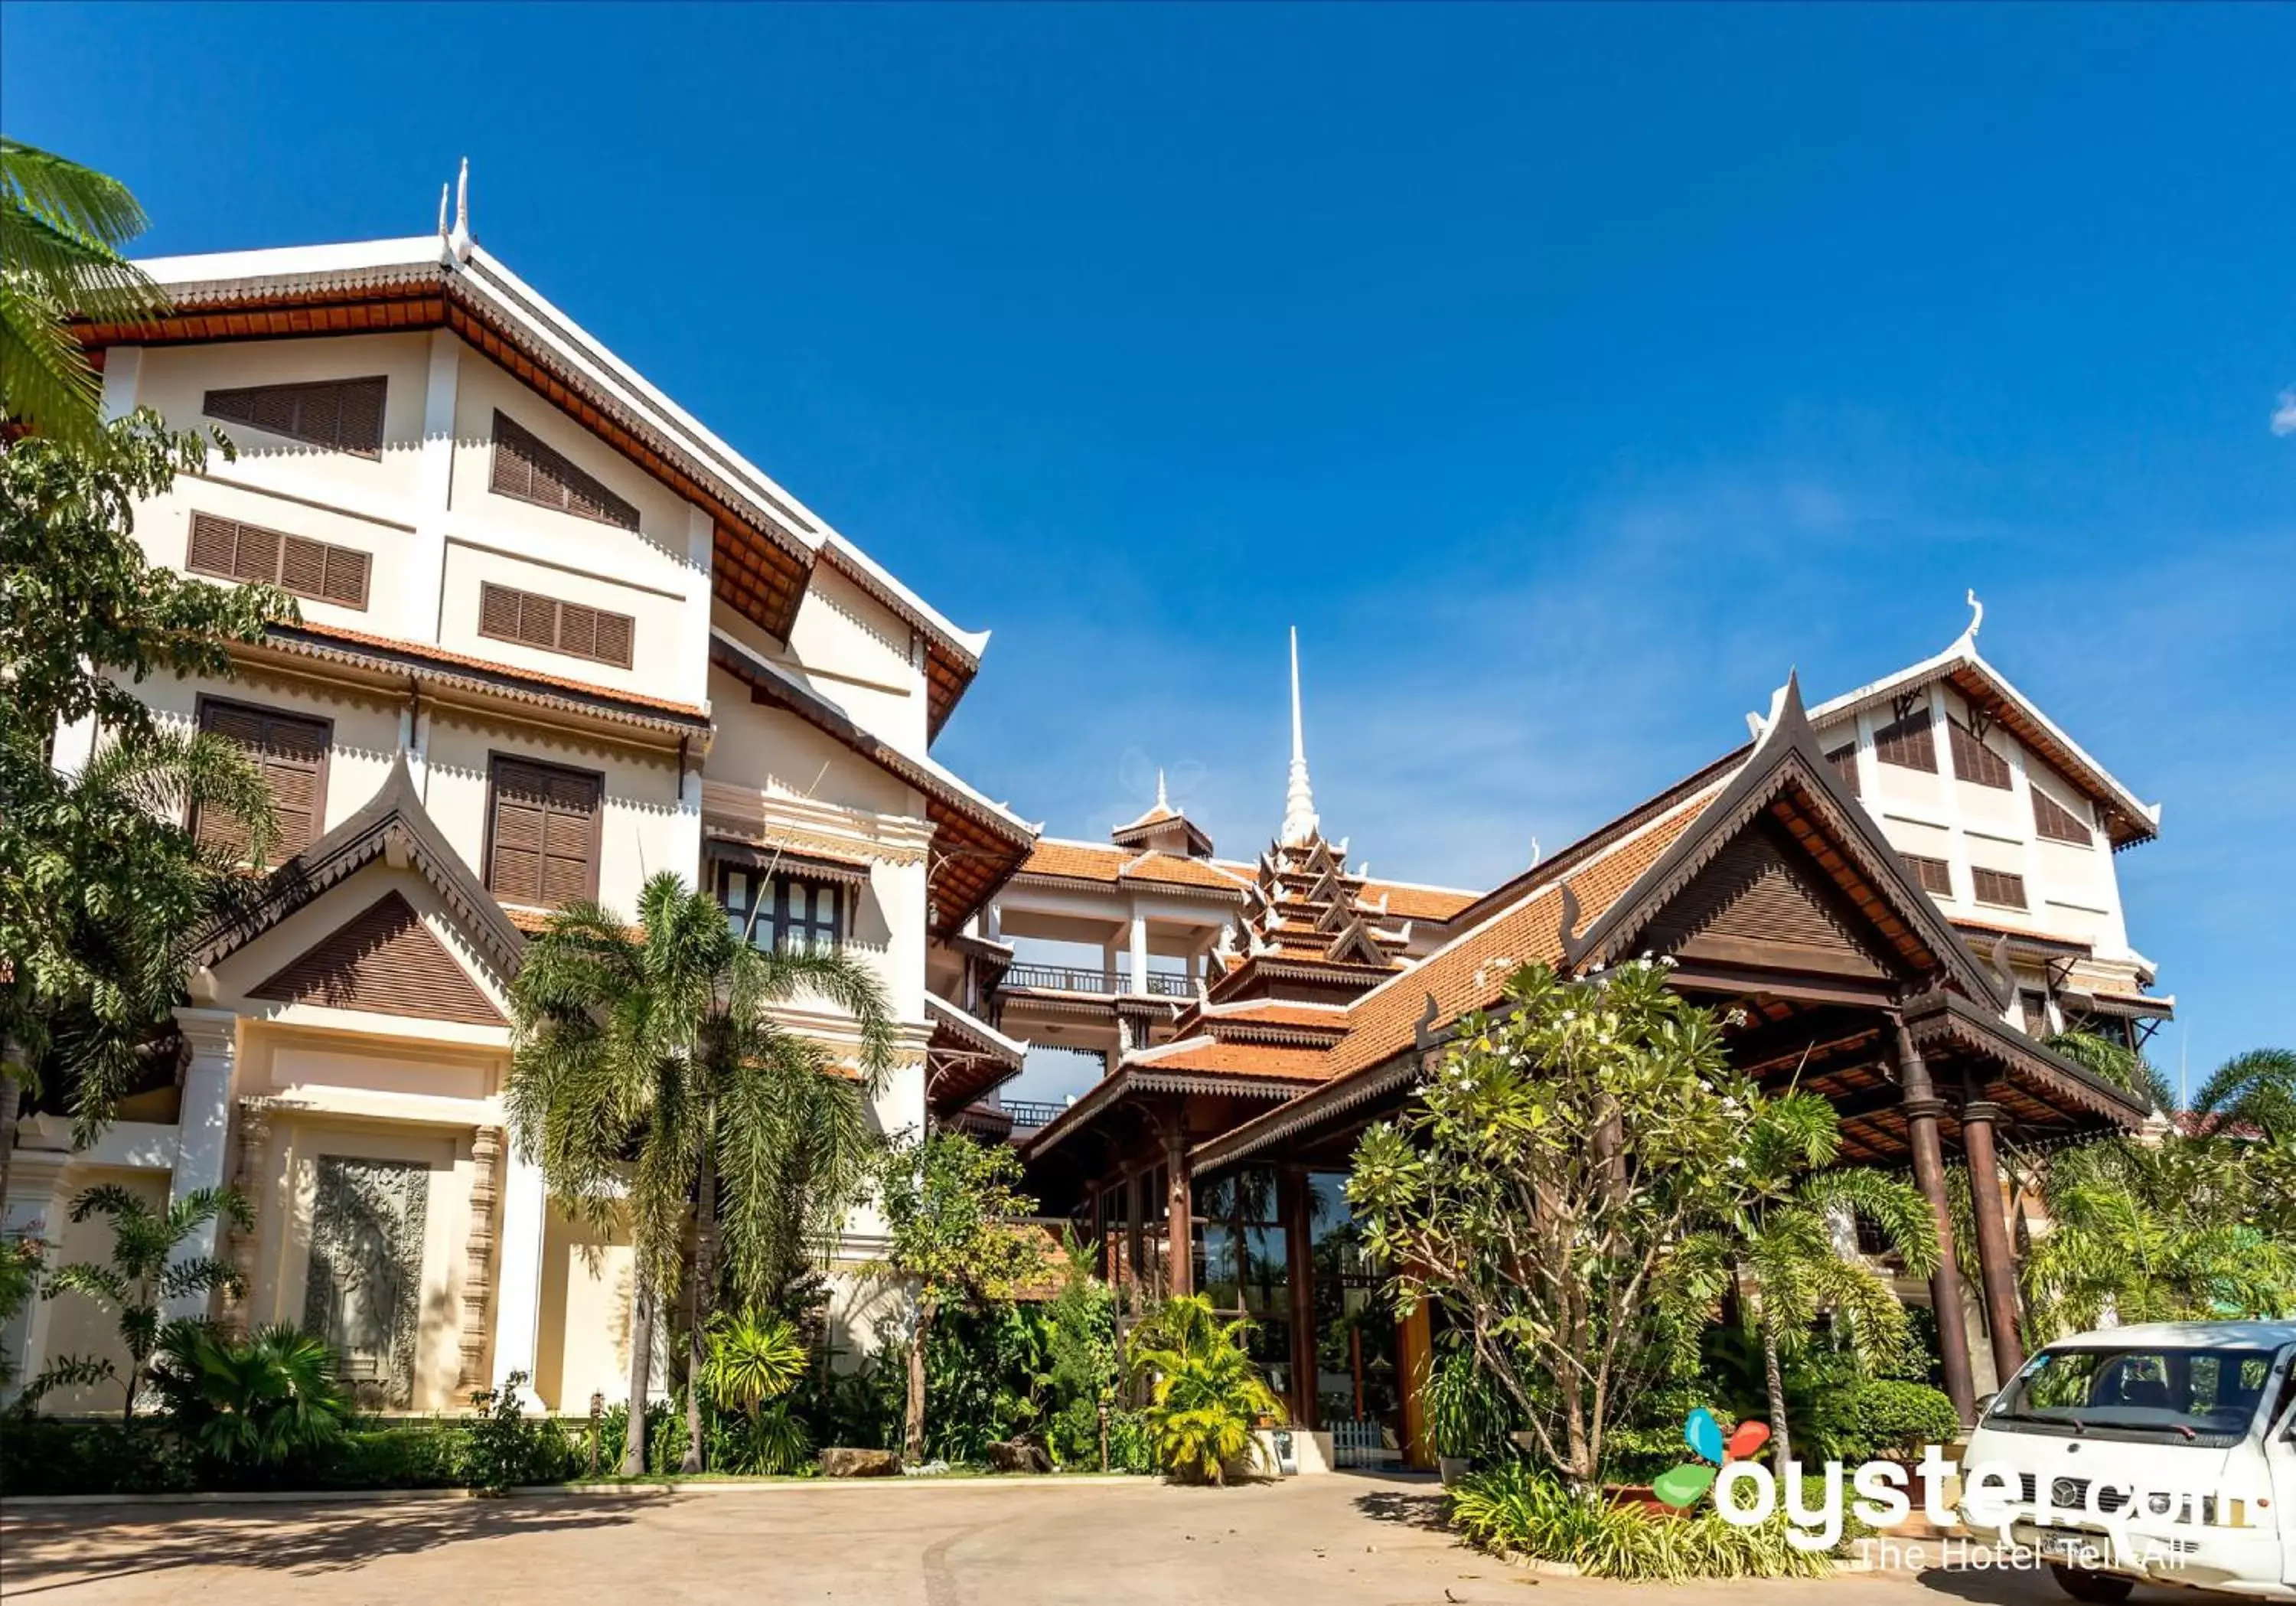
(1343, 1539)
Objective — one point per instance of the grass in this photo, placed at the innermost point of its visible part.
(1513, 1510)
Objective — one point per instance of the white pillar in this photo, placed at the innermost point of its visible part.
(518, 1290)
(37, 1207)
(425, 551)
(692, 685)
(202, 1131)
(1139, 951)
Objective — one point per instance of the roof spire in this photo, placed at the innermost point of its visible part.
(1298, 796)
(459, 242)
(1160, 800)
(1976, 621)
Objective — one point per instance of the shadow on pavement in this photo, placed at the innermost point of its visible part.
(46, 1552)
(1409, 1507)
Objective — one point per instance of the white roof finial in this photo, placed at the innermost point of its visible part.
(1298, 796)
(1160, 802)
(442, 213)
(459, 242)
(1976, 620)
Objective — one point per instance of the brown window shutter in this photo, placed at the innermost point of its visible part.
(215, 546)
(341, 414)
(303, 566)
(572, 627)
(1934, 874)
(292, 753)
(531, 471)
(259, 555)
(1998, 887)
(346, 578)
(1844, 760)
(1973, 761)
(2058, 823)
(1909, 743)
(545, 843)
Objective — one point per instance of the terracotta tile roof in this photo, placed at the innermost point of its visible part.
(1173, 870)
(1468, 973)
(287, 637)
(1271, 1014)
(1245, 1059)
(1089, 861)
(1417, 902)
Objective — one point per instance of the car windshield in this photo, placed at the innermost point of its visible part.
(2178, 1396)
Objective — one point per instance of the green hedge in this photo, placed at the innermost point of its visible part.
(42, 1455)
(1876, 1418)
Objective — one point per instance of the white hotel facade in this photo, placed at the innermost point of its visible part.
(556, 637)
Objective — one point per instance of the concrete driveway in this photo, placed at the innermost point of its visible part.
(1343, 1539)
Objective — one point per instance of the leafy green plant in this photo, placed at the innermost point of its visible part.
(139, 1278)
(260, 1400)
(1879, 1419)
(1205, 1394)
(959, 1230)
(1541, 1184)
(22, 1260)
(1080, 1343)
(1466, 1412)
(507, 1448)
(755, 1361)
(654, 1077)
(1515, 1510)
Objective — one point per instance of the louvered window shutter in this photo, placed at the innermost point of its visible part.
(1998, 887)
(1974, 762)
(341, 414)
(575, 628)
(1909, 743)
(295, 564)
(291, 753)
(2058, 823)
(1844, 760)
(546, 834)
(527, 469)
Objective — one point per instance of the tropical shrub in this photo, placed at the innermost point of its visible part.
(1080, 1344)
(506, 1448)
(1205, 1394)
(755, 1361)
(1467, 1413)
(262, 1400)
(1878, 1419)
(1513, 1510)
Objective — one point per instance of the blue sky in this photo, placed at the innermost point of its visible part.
(1566, 375)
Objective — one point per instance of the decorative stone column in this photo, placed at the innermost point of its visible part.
(1922, 1107)
(1995, 1260)
(202, 1133)
(518, 1312)
(241, 1242)
(478, 1257)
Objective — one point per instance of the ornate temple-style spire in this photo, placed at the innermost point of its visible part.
(1298, 796)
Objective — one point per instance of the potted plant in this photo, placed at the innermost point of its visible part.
(1466, 1414)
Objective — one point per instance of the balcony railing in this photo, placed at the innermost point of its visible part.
(1030, 1114)
(1074, 978)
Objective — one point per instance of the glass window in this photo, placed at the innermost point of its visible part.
(2207, 1397)
(778, 911)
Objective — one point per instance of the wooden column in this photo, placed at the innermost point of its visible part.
(1415, 1344)
(1179, 1208)
(1922, 1106)
(1299, 1274)
(1135, 1266)
(1996, 1262)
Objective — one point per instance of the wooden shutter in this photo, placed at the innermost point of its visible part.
(1998, 887)
(543, 834)
(575, 628)
(2058, 823)
(1908, 743)
(292, 753)
(341, 414)
(1973, 761)
(531, 471)
(1844, 760)
(1934, 874)
(295, 564)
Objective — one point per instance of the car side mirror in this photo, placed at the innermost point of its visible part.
(1985, 1403)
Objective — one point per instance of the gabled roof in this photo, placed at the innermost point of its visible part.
(767, 540)
(394, 827)
(2128, 819)
(978, 843)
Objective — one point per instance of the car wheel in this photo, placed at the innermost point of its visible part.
(2083, 1585)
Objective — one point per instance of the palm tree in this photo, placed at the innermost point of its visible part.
(62, 228)
(1783, 1243)
(1205, 1394)
(650, 1077)
(105, 896)
(141, 1277)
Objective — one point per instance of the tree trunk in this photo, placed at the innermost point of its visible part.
(634, 1441)
(913, 1442)
(705, 1289)
(1774, 1379)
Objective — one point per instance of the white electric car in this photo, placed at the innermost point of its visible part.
(2164, 1454)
